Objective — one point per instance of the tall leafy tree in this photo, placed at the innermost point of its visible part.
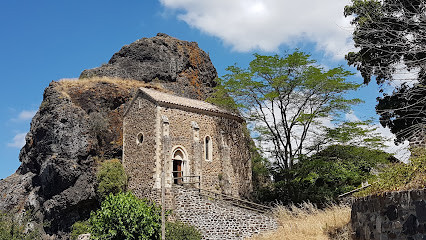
(390, 36)
(285, 98)
(355, 133)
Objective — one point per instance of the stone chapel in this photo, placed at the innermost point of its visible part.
(194, 142)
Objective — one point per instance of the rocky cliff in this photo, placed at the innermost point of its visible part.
(80, 122)
(181, 66)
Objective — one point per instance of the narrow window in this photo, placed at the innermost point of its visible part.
(208, 148)
(140, 138)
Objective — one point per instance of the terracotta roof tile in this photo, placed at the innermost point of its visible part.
(167, 98)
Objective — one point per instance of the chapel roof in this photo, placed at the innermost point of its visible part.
(168, 99)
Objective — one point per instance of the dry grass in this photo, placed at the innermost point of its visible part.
(84, 84)
(306, 222)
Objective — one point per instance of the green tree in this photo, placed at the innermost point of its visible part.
(388, 34)
(355, 133)
(404, 111)
(390, 37)
(111, 178)
(284, 98)
(124, 216)
(323, 176)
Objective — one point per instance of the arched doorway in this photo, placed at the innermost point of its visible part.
(178, 160)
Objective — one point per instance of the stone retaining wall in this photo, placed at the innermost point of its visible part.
(392, 215)
(218, 219)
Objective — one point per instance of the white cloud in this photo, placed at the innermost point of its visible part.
(24, 115)
(400, 151)
(18, 140)
(351, 117)
(266, 24)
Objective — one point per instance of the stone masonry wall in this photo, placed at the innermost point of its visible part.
(165, 129)
(393, 215)
(217, 219)
(229, 171)
(139, 158)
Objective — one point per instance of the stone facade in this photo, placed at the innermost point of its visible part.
(392, 215)
(164, 132)
(197, 145)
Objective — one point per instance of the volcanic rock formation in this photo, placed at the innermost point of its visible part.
(80, 122)
(182, 66)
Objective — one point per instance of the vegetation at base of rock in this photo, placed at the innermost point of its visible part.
(181, 231)
(78, 228)
(111, 177)
(285, 97)
(124, 216)
(400, 176)
(174, 230)
(305, 221)
(321, 177)
(16, 227)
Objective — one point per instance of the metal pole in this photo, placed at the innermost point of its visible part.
(163, 216)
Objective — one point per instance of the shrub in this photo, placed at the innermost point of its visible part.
(16, 228)
(79, 228)
(401, 176)
(181, 231)
(111, 178)
(124, 216)
(320, 178)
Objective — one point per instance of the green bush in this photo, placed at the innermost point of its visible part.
(321, 177)
(401, 176)
(16, 228)
(79, 228)
(111, 178)
(124, 216)
(181, 231)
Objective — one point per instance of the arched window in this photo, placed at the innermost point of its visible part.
(178, 159)
(208, 148)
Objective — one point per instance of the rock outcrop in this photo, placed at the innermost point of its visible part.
(181, 66)
(80, 122)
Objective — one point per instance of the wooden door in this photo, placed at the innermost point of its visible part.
(177, 171)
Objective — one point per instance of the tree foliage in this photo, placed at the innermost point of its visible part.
(111, 178)
(404, 111)
(355, 133)
(391, 38)
(321, 177)
(401, 176)
(388, 33)
(124, 216)
(284, 98)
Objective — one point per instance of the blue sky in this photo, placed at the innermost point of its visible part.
(42, 41)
